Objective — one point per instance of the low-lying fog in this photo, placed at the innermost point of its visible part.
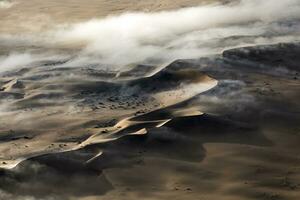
(156, 38)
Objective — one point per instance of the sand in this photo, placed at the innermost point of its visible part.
(240, 149)
(48, 13)
(222, 126)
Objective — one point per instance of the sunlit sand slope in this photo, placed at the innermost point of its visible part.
(245, 146)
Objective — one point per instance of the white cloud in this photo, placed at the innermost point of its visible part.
(6, 4)
(134, 37)
(156, 38)
(15, 60)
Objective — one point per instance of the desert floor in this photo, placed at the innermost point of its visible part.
(220, 126)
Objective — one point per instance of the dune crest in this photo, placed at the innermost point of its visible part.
(55, 101)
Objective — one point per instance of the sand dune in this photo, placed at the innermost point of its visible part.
(183, 103)
(47, 104)
(245, 131)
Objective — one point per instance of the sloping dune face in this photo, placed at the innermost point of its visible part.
(144, 99)
(42, 108)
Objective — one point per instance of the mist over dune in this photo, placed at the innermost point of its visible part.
(187, 33)
(156, 38)
(156, 99)
(6, 4)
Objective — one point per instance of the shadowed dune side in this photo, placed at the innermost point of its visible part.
(152, 100)
(245, 146)
(168, 142)
(53, 107)
(279, 57)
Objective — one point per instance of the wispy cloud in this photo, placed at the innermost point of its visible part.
(6, 4)
(160, 37)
